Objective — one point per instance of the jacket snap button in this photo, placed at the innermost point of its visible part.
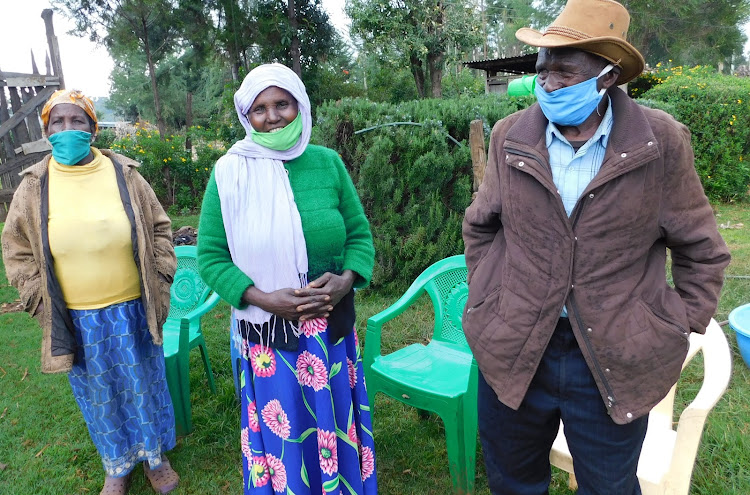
(520, 164)
(507, 157)
(606, 369)
(629, 415)
(575, 238)
(573, 286)
(650, 143)
(591, 196)
(624, 155)
(589, 330)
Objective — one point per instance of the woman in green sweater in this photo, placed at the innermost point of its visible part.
(284, 239)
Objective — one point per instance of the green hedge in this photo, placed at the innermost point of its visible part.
(414, 178)
(412, 166)
(716, 109)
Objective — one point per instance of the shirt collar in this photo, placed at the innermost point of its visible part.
(602, 132)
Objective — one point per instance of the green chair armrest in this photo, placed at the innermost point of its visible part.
(204, 308)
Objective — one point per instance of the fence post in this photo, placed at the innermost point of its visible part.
(478, 154)
(54, 49)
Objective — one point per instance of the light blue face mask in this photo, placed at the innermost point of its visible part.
(70, 147)
(573, 104)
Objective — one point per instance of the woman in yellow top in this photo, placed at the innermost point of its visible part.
(89, 248)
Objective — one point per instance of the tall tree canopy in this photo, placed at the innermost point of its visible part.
(145, 25)
(706, 32)
(420, 32)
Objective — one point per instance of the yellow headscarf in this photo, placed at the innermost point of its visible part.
(72, 96)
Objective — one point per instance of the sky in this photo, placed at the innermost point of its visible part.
(85, 65)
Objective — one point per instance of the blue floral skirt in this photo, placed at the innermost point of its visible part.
(119, 382)
(306, 426)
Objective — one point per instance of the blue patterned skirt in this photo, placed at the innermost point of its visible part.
(306, 426)
(119, 382)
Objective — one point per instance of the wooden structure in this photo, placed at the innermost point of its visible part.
(478, 154)
(21, 99)
(500, 71)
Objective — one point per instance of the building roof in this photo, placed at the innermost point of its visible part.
(523, 64)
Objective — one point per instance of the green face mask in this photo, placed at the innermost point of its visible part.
(280, 140)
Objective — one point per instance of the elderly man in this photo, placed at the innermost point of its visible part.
(569, 313)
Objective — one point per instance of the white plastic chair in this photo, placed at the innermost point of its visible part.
(668, 455)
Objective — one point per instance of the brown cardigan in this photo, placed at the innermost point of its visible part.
(29, 267)
(606, 262)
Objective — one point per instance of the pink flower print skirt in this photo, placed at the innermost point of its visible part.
(306, 425)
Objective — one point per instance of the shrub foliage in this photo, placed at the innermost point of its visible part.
(716, 109)
(412, 167)
(411, 162)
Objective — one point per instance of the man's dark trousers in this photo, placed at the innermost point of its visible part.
(516, 444)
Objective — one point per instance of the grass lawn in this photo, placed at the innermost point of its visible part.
(45, 448)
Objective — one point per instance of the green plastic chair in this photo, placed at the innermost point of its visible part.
(190, 298)
(441, 376)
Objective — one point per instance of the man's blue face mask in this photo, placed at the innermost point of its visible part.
(573, 104)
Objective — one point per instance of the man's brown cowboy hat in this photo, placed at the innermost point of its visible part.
(595, 26)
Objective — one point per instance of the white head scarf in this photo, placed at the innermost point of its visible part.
(257, 80)
(261, 219)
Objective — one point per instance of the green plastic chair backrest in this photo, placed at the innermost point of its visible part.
(449, 291)
(188, 289)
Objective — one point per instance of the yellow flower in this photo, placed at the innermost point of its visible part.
(198, 126)
(205, 169)
(165, 160)
(196, 169)
(172, 147)
(183, 160)
(170, 158)
(739, 101)
(141, 151)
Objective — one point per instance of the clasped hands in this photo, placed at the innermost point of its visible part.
(316, 300)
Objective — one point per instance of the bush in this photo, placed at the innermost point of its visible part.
(663, 73)
(414, 178)
(178, 177)
(716, 109)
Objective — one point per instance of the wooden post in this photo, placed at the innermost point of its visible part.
(478, 154)
(54, 49)
(32, 121)
(8, 152)
(20, 132)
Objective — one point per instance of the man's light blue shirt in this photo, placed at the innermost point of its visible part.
(573, 170)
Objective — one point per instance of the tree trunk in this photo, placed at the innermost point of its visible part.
(188, 120)
(152, 75)
(416, 69)
(294, 50)
(435, 63)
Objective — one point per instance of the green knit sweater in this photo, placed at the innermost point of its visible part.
(336, 230)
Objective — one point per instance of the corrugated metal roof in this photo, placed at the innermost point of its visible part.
(523, 64)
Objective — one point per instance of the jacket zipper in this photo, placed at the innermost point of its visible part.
(571, 297)
(610, 395)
